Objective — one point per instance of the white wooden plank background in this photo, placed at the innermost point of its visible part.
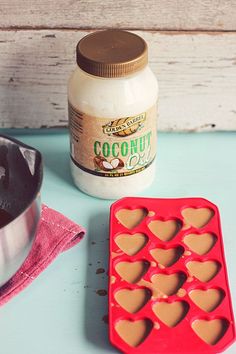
(132, 14)
(196, 73)
(192, 52)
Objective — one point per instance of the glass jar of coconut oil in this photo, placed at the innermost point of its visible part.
(112, 97)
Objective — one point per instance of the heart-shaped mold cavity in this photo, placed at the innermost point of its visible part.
(171, 313)
(165, 230)
(131, 218)
(208, 299)
(134, 332)
(131, 244)
(132, 272)
(168, 284)
(132, 300)
(210, 331)
(203, 270)
(167, 257)
(197, 217)
(200, 243)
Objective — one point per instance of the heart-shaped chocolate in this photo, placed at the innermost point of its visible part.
(168, 284)
(171, 313)
(164, 230)
(131, 244)
(200, 243)
(210, 331)
(131, 218)
(167, 257)
(132, 300)
(134, 332)
(203, 271)
(208, 300)
(132, 272)
(197, 217)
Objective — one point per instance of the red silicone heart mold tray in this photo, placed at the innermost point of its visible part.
(168, 288)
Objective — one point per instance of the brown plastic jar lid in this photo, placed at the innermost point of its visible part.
(112, 53)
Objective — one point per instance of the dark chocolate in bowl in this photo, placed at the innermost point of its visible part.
(20, 183)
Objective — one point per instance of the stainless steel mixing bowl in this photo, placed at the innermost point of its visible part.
(20, 206)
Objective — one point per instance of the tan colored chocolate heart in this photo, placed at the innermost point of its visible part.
(210, 331)
(131, 218)
(197, 217)
(168, 284)
(132, 300)
(167, 257)
(132, 272)
(131, 244)
(171, 313)
(208, 300)
(133, 332)
(203, 271)
(200, 244)
(164, 230)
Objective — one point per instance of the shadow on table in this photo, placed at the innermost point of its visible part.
(58, 162)
(96, 297)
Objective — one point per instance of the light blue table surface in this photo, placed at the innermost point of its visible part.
(60, 312)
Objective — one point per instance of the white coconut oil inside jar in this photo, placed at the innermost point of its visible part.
(112, 115)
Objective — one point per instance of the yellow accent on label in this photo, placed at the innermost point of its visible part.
(124, 126)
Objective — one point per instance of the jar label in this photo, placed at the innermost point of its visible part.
(112, 148)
